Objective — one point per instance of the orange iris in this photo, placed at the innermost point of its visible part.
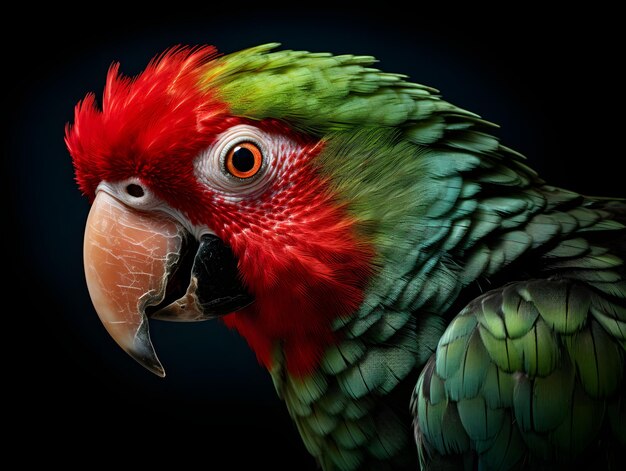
(244, 160)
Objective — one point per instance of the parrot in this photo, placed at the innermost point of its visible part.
(420, 297)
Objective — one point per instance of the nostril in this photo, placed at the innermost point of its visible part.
(134, 190)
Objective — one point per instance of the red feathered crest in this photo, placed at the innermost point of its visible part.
(148, 124)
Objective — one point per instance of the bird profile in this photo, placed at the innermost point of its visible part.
(419, 295)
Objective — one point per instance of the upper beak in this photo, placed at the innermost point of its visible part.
(128, 256)
(131, 258)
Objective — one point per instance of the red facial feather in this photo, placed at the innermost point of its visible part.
(150, 127)
(298, 250)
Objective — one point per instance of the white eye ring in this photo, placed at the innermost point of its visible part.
(211, 167)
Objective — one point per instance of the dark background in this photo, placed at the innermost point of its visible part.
(550, 80)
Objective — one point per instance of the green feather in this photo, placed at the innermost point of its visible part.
(307, 388)
(469, 374)
(497, 260)
(591, 261)
(504, 205)
(469, 190)
(296, 406)
(427, 131)
(615, 327)
(412, 295)
(430, 418)
(320, 422)
(455, 438)
(519, 315)
(338, 357)
(551, 398)
(380, 370)
(447, 197)
(442, 425)
(502, 175)
(609, 307)
(449, 356)
(357, 408)
(562, 304)
(333, 361)
(585, 217)
(313, 443)
(354, 433)
(581, 424)
(567, 222)
(476, 263)
(444, 164)
(420, 398)
(480, 422)
(478, 142)
(558, 197)
(538, 447)
(599, 360)
(437, 391)
(523, 403)
(390, 437)
(428, 331)
(617, 289)
(616, 413)
(389, 324)
(434, 231)
(595, 275)
(333, 402)
(515, 221)
(542, 228)
(484, 223)
(490, 315)
(497, 388)
(398, 363)
(539, 349)
(362, 324)
(459, 230)
(461, 326)
(503, 352)
(343, 458)
(511, 245)
(605, 225)
(363, 378)
(506, 451)
(569, 248)
(448, 287)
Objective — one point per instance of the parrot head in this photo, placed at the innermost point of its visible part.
(212, 196)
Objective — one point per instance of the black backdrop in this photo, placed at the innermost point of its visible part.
(550, 80)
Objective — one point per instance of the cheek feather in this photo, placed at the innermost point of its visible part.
(300, 255)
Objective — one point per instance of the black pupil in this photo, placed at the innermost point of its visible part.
(243, 159)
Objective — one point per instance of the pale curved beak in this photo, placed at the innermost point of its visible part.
(128, 258)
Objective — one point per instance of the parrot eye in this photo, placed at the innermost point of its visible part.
(241, 163)
(244, 160)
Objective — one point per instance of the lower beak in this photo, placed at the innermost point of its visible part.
(129, 256)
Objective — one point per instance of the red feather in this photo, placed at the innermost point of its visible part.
(150, 126)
